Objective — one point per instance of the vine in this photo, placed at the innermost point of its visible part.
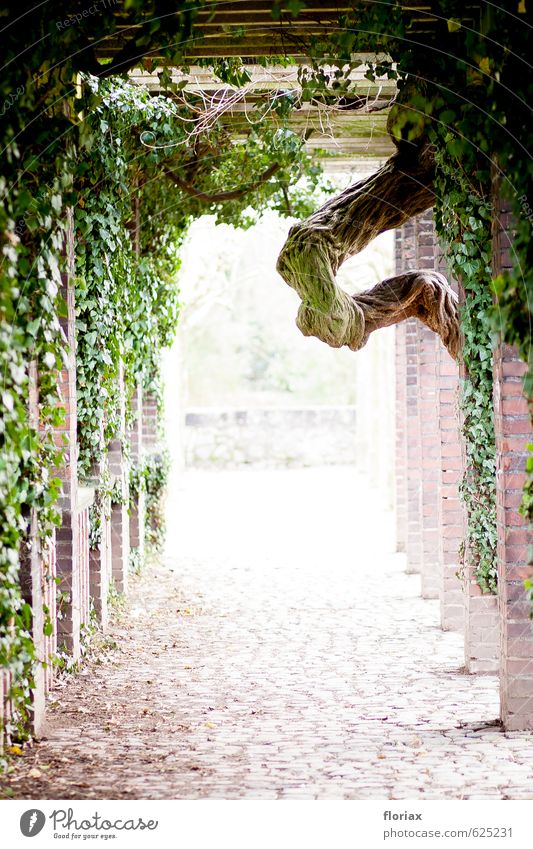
(151, 477)
(463, 222)
(127, 303)
(32, 229)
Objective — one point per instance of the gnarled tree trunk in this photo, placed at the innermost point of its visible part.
(317, 247)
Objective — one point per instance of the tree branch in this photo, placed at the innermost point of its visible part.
(317, 247)
(232, 194)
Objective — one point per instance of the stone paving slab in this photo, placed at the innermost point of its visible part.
(280, 652)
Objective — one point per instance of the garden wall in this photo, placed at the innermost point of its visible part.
(230, 438)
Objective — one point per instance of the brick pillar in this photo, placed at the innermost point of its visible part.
(481, 620)
(513, 433)
(100, 550)
(49, 572)
(482, 626)
(85, 501)
(452, 525)
(137, 505)
(429, 345)
(401, 440)
(431, 464)
(67, 540)
(413, 451)
(150, 436)
(414, 476)
(5, 708)
(120, 526)
(100, 565)
(138, 502)
(400, 365)
(31, 577)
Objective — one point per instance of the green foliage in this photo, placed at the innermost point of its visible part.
(127, 301)
(126, 310)
(463, 222)
(32, 222)
(151, 477)
(79, 146)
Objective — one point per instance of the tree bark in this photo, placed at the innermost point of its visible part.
(317, 247)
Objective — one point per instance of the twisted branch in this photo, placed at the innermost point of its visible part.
(317, 247)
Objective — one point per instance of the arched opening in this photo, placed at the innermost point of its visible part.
(94, 223)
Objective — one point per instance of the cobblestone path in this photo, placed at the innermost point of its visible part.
(280, 653)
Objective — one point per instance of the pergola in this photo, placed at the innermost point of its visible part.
(429, 455)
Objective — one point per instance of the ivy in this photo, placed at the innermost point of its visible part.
(75, 142)
(463, 222)
(128, 256)
(151, 477)
(32, 226)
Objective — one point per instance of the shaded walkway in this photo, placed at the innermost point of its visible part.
(286, 655)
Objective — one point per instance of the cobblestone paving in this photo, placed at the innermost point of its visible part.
(282, 652)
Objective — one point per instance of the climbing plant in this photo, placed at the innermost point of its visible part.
(150, 477)
(32, 223)
(132, 227)
(463, 217)
(72, 142)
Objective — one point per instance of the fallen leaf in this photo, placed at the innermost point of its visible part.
(35, 773)
(14, 750)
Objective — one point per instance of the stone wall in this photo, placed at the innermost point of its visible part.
(230, 438)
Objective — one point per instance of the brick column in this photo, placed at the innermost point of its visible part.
(400, 463)
(100, 568)
(150, 436)
(481, 627)
(513, 433)
(401, 439)
(429, 345)
(481, 617)
(413, 452)
(5, 707)
(137, 504)
(482, 621)
(452, 517)
(119, 469)
(31, 577)
(85, 501)
(49, 572)
(67, 535)
(431, 464)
